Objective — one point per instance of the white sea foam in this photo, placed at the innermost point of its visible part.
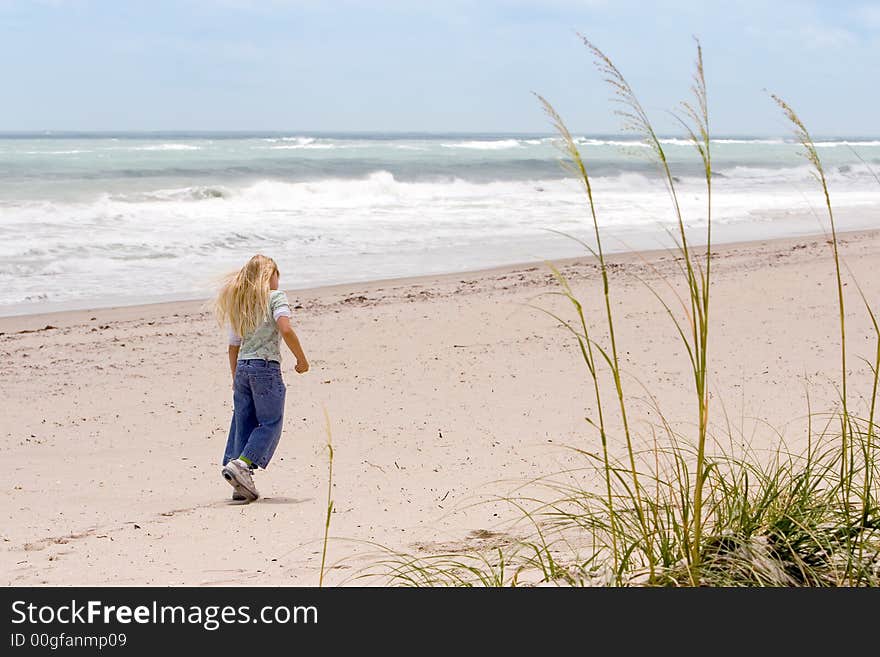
(589, 141)
(485, 145)
(72, 230)
(302, 141)
(68, 152)
(194, 193)
(166, 147)
(309, 145)
(768, 175)
(676, 141)
(854, 144)
(772, 142)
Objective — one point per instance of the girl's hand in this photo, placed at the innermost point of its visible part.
(302, 366)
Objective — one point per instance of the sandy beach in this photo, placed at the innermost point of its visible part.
(439, 391)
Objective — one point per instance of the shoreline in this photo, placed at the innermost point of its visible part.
(33, 321)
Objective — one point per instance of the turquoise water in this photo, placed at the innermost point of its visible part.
(91, 220)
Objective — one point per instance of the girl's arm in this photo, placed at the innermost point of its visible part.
(233, 358)
(290, 339)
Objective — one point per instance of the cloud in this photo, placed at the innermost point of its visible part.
(868, 16)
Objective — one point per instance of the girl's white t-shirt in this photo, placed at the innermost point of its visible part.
(265, 340)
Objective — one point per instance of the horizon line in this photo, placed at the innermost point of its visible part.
(397, 133)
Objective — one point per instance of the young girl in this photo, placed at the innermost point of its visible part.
(257, 315)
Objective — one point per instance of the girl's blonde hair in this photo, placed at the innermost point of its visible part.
(243, 300)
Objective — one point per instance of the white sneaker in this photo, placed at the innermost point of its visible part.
(240, 477)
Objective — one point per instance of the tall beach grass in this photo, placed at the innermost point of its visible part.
(691, 508)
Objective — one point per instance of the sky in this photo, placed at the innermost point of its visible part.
(447, 66)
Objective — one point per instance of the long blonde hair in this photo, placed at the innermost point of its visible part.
(243, 300)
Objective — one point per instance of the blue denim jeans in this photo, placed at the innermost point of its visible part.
(258, 411)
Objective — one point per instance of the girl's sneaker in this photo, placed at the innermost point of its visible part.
(238, 497)
(240, 477)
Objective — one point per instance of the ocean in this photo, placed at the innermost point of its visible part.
(91, 220)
